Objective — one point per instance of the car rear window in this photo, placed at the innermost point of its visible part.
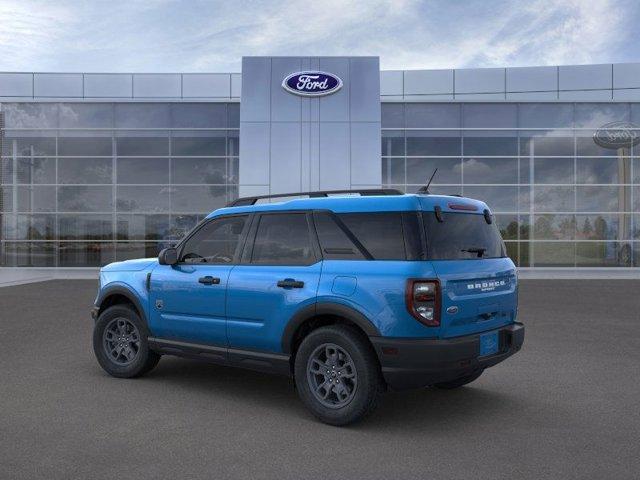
(461, 236)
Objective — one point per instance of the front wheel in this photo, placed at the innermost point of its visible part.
(120, 343)
(337, 375)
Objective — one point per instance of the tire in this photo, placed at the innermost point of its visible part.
(132, 357)
(352, 390)
(459, 382)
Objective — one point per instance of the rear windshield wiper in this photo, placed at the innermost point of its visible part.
(477, 250)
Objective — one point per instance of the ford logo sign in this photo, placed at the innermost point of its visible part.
(617, 135)
(312, 84)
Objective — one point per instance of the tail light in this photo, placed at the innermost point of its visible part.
(423, 301)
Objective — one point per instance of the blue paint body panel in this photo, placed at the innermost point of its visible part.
(247, 310)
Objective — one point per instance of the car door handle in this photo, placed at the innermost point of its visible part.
(290, 283)
(209, 280)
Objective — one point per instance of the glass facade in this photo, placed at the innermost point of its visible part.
(84, 184)
(561, 199)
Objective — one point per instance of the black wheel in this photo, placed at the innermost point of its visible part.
(459, 382)
(120, 343)
(337, 375)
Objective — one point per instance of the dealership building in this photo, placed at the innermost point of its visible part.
(98, 167)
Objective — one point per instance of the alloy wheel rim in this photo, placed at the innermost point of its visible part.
(332, 375)
(121, 341)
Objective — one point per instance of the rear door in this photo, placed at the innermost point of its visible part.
(278, 275)
(478, 280)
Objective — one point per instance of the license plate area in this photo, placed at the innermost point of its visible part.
(489, 343)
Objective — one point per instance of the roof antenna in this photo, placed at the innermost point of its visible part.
(425, 190)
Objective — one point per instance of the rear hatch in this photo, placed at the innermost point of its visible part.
(478, 281)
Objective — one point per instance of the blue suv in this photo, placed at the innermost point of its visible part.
(350, 294)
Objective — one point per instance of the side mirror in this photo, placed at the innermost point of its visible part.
(168, 256)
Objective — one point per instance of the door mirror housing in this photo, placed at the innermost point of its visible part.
(168, 256)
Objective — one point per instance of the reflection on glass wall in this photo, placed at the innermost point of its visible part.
(86, 184)
(562, 199)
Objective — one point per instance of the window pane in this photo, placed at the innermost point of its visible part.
(36, 170)
(142, 146)
(31, 146)
(419, 170)
(603, 254)
(508, 226)
(142, 170)
(603, 170)
(85, 170)
(36, 199)
(598, 114)
(553, 170)
(143, 199)
(490, 144)
(553, 254)
(6, 170)
(554, 199)
(41, 254)
(142, 115)
(211, 145)
(392, 115)
(79, 254)
(459, 235)
(490, 170)
(30, 115)
(85, 199)
(585, 145)
(283, 239)
(545, 115)
(603, 227)
(380, 233)
(93, 115)
(181, 225)
(233, 112)
(85, 227)
(554, 227)
(546, 144)
(144, 227)
(603, 199)
(426, 144)
(216, 242)
(392, 143)
(334, 241)
(199, 115)
(199, 170)
(90, 146)
(432, 115)
(34, 227)
(487, 115)
(499, 199)
(393, 170)
(197, 199)
(6, 199)
(233, 143)
(130, 250)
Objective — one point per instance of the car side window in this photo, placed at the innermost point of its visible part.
(283, 239)
(380, 233)
(217, 242)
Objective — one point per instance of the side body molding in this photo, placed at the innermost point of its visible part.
(326, 308)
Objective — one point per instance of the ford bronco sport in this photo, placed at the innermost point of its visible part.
(350, 295)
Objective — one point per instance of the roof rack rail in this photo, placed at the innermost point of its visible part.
(245, 201)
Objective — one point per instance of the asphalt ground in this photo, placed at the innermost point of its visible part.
(567, 406)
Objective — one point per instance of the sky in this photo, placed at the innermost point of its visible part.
(212, 36)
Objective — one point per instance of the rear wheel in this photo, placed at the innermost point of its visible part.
(337, 375)
(120, 343)
(459, 382)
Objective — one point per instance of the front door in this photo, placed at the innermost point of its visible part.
(188, 300)
(279, 275)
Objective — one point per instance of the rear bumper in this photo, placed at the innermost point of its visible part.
(415, 363)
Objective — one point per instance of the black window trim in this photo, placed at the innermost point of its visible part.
(237, 254)
(247, 252)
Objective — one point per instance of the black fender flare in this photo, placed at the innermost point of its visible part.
(326, 308)
(109, 291)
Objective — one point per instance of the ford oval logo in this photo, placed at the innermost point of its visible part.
(312, 84)
(616, 135)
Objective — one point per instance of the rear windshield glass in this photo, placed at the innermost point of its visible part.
(461, 236)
